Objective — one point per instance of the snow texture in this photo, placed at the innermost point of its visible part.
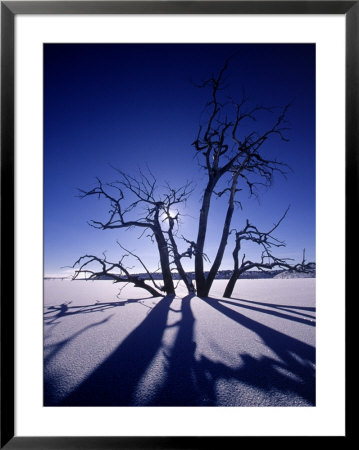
(255, 349)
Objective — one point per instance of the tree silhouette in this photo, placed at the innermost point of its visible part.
(233, 160)
(268, 261)
(234, 155)
(136, 203)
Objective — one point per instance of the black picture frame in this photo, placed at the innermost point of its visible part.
(9, 10)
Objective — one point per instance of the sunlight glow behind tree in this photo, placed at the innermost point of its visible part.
(134, 105)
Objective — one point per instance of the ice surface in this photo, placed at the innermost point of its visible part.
(255, 349)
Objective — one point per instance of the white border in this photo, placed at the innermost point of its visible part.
(327, 418)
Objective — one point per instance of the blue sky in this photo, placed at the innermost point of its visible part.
(136, 105)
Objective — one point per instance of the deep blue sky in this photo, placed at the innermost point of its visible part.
(132, 105)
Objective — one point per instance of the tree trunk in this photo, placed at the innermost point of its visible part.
(222, 246)
(141, 284)
(236, 270)
(231, 283)
(225, 233)
(202, 230)
(165, 262)
(177, 259)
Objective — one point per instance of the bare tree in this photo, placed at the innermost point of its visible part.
(136, 203)
(268, 261)
(122, 273)
(173, 198)
(234, 160)
(236, 156)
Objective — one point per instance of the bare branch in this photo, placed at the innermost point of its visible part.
(142, 264)
(268, 260)
(228, 150)
(107, 268)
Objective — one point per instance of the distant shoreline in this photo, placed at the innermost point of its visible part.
(222, 275)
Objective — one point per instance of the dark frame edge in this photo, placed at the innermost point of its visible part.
(182, 7)
(8, 12)
(138, 443)
(7, 226)
(351, 163)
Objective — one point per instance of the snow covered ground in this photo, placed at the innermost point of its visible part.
(256, 349)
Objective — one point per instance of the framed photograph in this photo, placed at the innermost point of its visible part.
(174, 185)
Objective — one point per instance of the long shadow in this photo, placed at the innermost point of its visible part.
(53, 349)
(184, 385)
(56, 348)
(113, 383)
(192, 382)
(293, 373)
(309, 322)
(64, 310)
(289, 308)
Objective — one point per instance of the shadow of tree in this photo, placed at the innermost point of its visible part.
(54, 313)
(183, 384)
(53, 349)
(50, 351)
(289, 308)
(113, 383)
(293, 372)
(190, 380)
(276, 313)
